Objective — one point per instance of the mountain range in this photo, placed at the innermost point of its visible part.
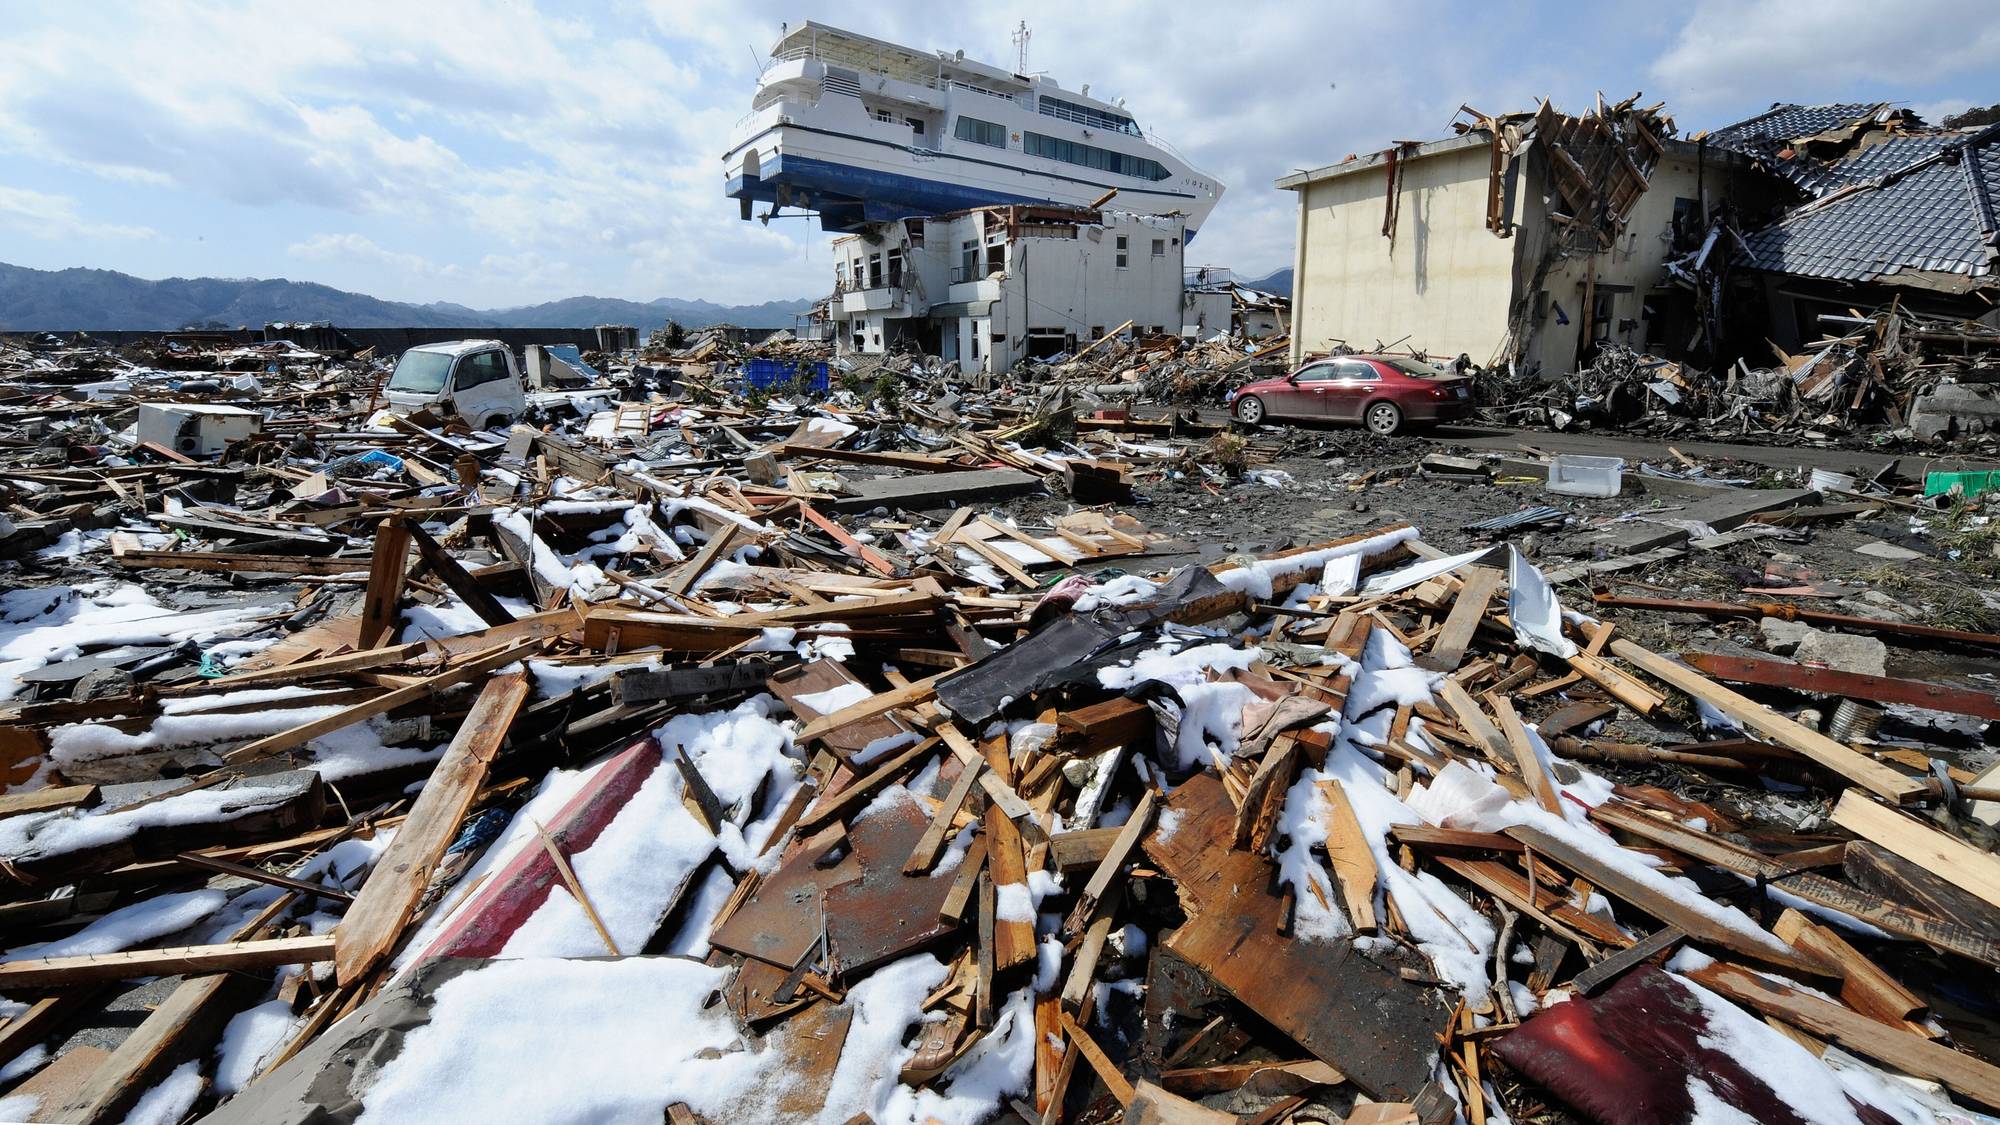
(85, 299)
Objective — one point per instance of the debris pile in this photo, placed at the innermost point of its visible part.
(848, 755)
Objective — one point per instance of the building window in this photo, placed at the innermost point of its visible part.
(996, 256)
(980, 132)
(1124, 258)
(1097, 332)
(916, 125)
(1159, 248)
(968, 264)
(1090, 156)
(895, 268)
(874, 271)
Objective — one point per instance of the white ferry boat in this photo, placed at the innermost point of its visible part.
(861, 131)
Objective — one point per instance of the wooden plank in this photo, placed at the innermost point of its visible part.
(337, 665)
(48, 799)
(1055, 552)
(1353, 860)
(880, 703)
(1000, 560)
(996, 788)
(860, 550)
(1473, 718)
(1006, 861)
(388, 566)
(1120, 1087)
(54, 972)
(1525, 758)
(1429, 838)
(684, 579)
(461, 581)
(925, 854)
(1110, 866)
(1475, 592)
(1614, 680)
(1910, 1053)
(1621, 962)
(388, 899)
(1855, 767)
(1950, 859)
(1617, 882)
(858, 792)
(1863, 984)
(1814, 888)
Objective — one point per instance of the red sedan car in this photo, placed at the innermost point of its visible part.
(1382, 392)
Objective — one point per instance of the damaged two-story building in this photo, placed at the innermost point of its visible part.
(1525, 239)
(989, 287)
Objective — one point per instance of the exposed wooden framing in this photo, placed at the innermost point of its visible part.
(461, 581)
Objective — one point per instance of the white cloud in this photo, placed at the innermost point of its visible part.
(54, 217)
(1820, 50)
(362, 250)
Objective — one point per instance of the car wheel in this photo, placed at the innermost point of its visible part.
(1384, 418)
(1250, 410)
(497, 422)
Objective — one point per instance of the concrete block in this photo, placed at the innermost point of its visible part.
(763, 469)
(1843, 652)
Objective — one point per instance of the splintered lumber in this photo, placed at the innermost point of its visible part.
(880, 703)
(1955, 937)
(337, 665)
(1108, 868)
(46, 972)
(1950, 859)
(1621, 962)
(1353, 860)
(1621, 686)
(1476, 589)
(925, 854)
(386, 902)
(1616, 881)
(862, 790)
(381, 605)
(997, 790)
(1902, 1050)
(1318, 993)
(186, 1022)
(1848, 763)
(856, 547)
(684, 579)
(1525, 758)
(1470, 717)
(476, 597)
(1863, 984)
(382, 704)
(48, 799)
(1107, 1071)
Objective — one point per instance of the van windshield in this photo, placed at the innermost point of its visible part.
(423, 372)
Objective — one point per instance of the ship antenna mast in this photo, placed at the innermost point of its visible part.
(1021, 37)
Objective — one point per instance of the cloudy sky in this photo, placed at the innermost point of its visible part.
(503, 152)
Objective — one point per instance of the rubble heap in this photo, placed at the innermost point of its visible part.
(747, 761)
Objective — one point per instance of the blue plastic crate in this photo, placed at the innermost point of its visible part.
(763, 374)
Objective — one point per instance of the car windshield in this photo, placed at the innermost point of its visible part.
(423, 372)
(1412, 367)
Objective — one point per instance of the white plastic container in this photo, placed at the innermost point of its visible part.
(1576, 475)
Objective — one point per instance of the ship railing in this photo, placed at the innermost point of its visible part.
(957, 85)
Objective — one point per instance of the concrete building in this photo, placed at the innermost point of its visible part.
(990, 287)
(1213, 302)
(1524, 239)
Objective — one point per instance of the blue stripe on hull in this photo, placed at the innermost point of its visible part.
(847, 197)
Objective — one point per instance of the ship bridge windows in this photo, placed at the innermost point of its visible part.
(980, 132)
(1090, 156)
(1087, 115)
